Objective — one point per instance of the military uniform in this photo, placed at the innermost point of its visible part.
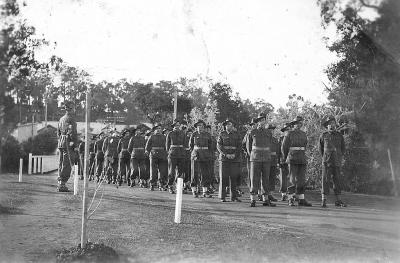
(123, 159)
(67, 140)
(138, 168)
(283, 168)
(228, 143)
(201, 146)
(274, 163)
(109, 148)
(175, 145)
(155, 146)
(188, 163)
(99, 158)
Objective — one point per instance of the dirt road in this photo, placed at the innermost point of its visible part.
(36, 221)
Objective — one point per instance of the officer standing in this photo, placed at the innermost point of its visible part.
(99, 156)
(259, 146)
(175, 145)
(67, 140)
(109, 148)
(294, 153)
(283, 166)
(200, 145)
(136, 148)
(228, 145)
(124, 157)
(155, 148)
(332, 147)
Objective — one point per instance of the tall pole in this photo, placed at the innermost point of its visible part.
(85, 173)
(176, 104)
(45, 114)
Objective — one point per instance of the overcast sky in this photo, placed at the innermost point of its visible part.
(264, 48)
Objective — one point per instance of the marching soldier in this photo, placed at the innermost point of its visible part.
(67, 140)
(109, 148)
(283, 166)
(138, 167)
(124, 157)
(274, 163)
(175, 144)
(332, 148)
(99, 157)
(200, 145)
(259, 145)
(294, 153)
(228, 146)
(155, 148)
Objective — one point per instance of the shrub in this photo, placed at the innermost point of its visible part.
(10, 154)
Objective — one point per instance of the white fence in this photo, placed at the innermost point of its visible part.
(39, 164)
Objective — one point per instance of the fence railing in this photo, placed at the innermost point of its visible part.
(39, 164)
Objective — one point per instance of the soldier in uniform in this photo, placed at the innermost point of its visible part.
(155, 148)
(213, 178)
(175, 145)
(228, 145)
(332, 148)
(259, 145)
(294, 153)
(109, 148)
(99, 156)
(67, 141)
(274, 163)
(283, 166)
(244, 148)
(147, 134)
(188, 162)
(124, 157)
(200, 145)
(136, 148)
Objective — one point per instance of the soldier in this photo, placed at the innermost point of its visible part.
(213, 178)
(274, 163)
(148, 133)
(259, 145)
(175, 144)
(155, 148)
(228, 145)
(244, 149)
(188, 162)
(124, 157)
(283, 166)
(332, 147)
(136, 148)
(81, 154)
(294, 153)
(109, 148)
(67, 140)
(99, 156)
(200, 145)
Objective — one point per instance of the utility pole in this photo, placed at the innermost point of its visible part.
(85, 173)
(176, 103)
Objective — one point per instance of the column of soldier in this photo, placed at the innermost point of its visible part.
(157, 157)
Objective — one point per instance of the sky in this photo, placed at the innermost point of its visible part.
(264, 49)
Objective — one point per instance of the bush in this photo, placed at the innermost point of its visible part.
(44, 143)
(10, 154)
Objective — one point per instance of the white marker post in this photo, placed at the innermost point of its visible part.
(20, 170)
(76, 180)
(178, 206)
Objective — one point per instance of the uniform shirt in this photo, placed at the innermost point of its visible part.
(229, 143)
(332, 147)
(156, 146)
(295, 138)
(187, 149)
(122, 147)
(136, 147)
(175, 144)
(259, 145)
(110, 145)
(66, 131)
(274, 151)
(200, 145)
(97, 148)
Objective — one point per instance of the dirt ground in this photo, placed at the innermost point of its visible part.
(36, 222)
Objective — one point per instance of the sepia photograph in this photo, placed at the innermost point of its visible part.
(210, 131)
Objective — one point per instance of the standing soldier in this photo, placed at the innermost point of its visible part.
(213, 178)
(123, 157)
(67, 140)
(332, 147)
(155, 148)
(188, 163)
(259, 146)
(148, 133)
(136, 148)
(175, 144)
(294, 153)
(274, 163)
(244, 149)
(228, 146)
(109, 148)
(283, 166)
(200, 145)
(99, 157)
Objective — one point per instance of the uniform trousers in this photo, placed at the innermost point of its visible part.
(297, 178)
(200, 173)
(229, 172)
(138, 169)
(123, 168)
(111, 167)
(331, 174)
(64, 165)
(283, 177)
(173, 165)
(259, 177)
(158, 171)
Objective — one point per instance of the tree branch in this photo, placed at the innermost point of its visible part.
(369, 5)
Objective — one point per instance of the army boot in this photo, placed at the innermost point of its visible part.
(339, 203)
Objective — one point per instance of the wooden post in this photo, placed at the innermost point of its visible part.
(85, 173)
(30, 163)
(178, 205)
(76, 180)
(392, 172)
(20, 170)
(176, 104)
